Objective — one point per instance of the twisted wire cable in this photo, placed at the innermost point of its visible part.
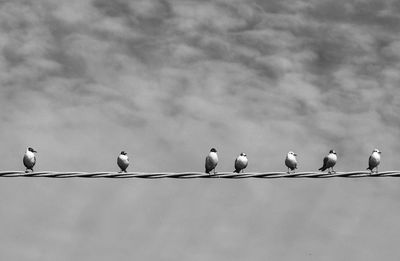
(192, 175)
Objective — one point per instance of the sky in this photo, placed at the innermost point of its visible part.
(168, 80)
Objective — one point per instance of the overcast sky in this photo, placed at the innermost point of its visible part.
(166, 81)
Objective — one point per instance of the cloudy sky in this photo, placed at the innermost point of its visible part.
(166, 81)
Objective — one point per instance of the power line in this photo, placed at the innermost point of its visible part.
(192, 175)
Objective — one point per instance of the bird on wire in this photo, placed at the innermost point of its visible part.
(123, 161)
(29, 159)
(211, 161)
(241, 162)
(374, 160)
(291, 161)
(329, 162)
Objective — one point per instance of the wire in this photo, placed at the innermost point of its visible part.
(192, 175)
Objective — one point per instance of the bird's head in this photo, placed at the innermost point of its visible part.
(332, 152)
(376, 150)
(32, 150)
(213, 150)
(123, 153)
(292, 153)
(243, 154)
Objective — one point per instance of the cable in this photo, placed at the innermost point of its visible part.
(192, 175)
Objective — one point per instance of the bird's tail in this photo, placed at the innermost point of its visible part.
(322, 169)
(369, 168)
(236, 171)
(207, 171)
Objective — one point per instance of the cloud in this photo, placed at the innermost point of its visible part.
(166, 81)
(202, 69)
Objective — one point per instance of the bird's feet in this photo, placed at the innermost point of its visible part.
(289, 171)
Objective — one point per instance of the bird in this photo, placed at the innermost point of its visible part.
(123, 161)
(374, 160)
(211, 161)
(241, 162)
(329, 161)
(291, 161)
(29, 159)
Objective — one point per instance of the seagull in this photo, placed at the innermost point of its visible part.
(241, 163)
(291, 161)
(29, 159)
(123, 161)
(374, 160)
(329, 161)
(211, 161)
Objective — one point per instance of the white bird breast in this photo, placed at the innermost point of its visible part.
(291, 157)
(332, 157)
(123, 159)
(376, 155)
(29, 159)
(291, 160)
(375, 159)
(213, 156)
(30, 155)
(241, 161)
(212, 159)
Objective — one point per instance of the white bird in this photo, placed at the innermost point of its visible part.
(241, 163)
(291, 161)
(374, 160)
(123, 161)
(29, 159)
(211, 161)
(329, 161)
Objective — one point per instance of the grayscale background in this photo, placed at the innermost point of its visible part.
(166, 81)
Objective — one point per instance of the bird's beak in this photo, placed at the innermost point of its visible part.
(295, 154)
(379, 152)
(34, 151)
